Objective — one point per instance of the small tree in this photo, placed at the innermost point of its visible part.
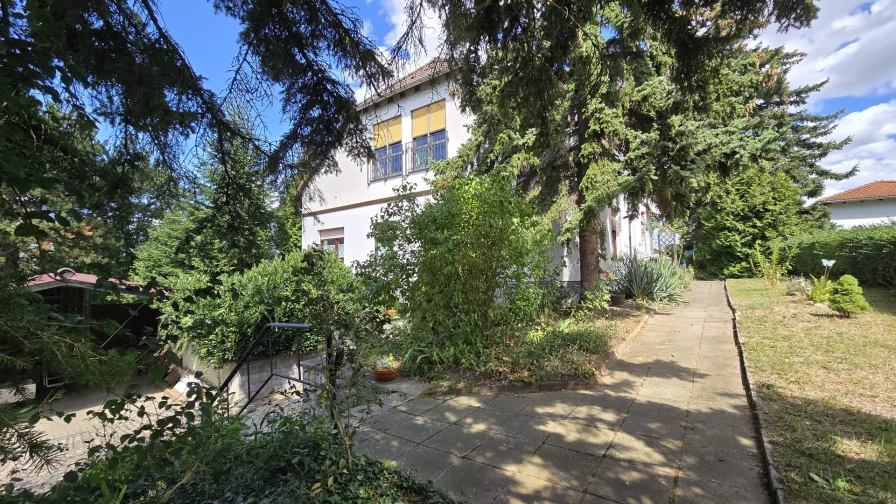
(847, 298)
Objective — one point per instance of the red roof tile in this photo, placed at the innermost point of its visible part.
(875, 190)
(422, 74)
(71, 278)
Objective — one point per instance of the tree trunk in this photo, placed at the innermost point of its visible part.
(589, 252)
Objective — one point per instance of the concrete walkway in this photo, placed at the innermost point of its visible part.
(670, 424)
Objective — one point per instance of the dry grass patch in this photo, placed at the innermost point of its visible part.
(829, 388)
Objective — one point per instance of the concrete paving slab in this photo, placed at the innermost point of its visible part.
(456, 440)
(510, 403)
(384, 447)
(632, 484)
(645, 450)
(697, 491)
(724, 467)
(564, 467)
(486, 420)
(418, 406)
(524, 489)
(504, 452)
(473, 482)
(427, 463)
(582, 438)
(419, 429)
(449, 412)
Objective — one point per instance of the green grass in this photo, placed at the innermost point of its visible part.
(829, 389)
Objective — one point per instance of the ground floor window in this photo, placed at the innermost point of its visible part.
(334, 239)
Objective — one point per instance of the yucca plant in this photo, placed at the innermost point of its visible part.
(651, 280)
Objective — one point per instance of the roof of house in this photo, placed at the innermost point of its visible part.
(427, 72)
(67, 277)
(880, 189)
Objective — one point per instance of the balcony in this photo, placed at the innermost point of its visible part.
(416, 156)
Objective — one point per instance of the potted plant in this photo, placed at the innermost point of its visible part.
(616, 298)
(385, 368)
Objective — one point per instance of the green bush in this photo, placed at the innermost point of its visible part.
(192, 454)
(653, 280)
(865, 252)
(309, 287)
(847, 298)
(467, 267)
(751, 209)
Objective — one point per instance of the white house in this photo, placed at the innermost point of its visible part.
(416, 121)
(873, 203)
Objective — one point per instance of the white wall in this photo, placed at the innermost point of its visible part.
(857, 213)
(356, 225)
(350, 186)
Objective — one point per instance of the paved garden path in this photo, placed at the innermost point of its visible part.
(670, 424)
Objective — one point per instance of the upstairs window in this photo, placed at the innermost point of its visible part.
(430, 140)
(387, 144)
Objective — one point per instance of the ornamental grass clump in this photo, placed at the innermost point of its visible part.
(847, 298)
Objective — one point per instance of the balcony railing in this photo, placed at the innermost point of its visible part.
(414, 156)
(424, 150)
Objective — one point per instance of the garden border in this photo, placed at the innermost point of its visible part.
(775, 483)
(553, 386)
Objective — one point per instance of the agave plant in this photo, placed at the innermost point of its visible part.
(651, 280)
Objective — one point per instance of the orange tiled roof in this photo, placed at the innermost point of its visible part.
(874, 190)
(422, 74)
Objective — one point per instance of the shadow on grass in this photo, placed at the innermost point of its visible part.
(881, 300)
(851, 453)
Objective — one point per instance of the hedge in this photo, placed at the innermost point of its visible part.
(865, 252)
(220, 319)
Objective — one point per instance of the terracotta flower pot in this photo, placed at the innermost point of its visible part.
(384, 375)
(617, 299)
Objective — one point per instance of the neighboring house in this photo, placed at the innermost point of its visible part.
(873, 203)
(414, 122)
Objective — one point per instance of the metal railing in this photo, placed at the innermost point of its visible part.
(414, 156)
(245, 360)
(421, 153)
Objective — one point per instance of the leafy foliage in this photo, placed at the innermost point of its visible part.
(820, 290)
(622, 108)
(847, 297)
(774, 266)
(468, 266)
(748, 213)
(220, 320)
(34, 340)
(174, 452)
(866, 252)
(651, 280)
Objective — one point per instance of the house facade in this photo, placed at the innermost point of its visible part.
(416, 122)
(870, 204)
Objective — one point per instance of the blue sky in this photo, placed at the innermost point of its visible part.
(851, 43)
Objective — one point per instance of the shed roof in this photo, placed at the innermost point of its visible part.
(67, 277)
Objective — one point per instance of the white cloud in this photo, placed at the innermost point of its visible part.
(394, 11)
(873, 146)
(851, 43)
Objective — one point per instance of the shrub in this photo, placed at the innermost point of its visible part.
(847, 297)
(796, 285)
(467, 267)
(193, 454)
(866, 252)
(772, 267)
(753, 208)
(220, 320)
(652, 280)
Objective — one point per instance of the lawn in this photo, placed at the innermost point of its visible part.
(829, 390)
